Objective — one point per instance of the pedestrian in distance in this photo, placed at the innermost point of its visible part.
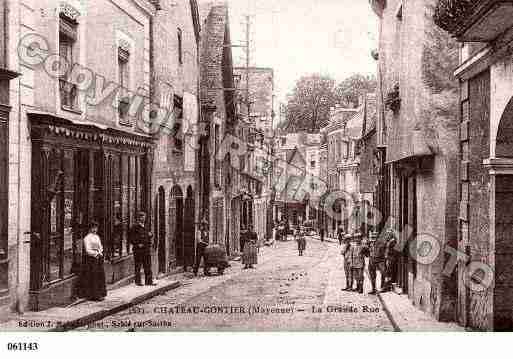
(250, 254)
(200, 249)
(142, 243)
(301, 241)
(322, 234)
(92, 277)
(340, 235)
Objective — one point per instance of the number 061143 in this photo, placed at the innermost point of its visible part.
(22, 346)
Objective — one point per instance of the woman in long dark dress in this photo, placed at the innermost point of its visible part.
(92, 279)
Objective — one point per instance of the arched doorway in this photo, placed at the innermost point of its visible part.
(188, 228)
(501, 221)
(160, 228)
(176, 225)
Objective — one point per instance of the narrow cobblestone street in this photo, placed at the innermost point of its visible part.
(283, 292)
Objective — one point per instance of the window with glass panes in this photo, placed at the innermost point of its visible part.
(73, 184)
(67, 46)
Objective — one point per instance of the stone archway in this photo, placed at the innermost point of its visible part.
(176, 206)
(501, 221)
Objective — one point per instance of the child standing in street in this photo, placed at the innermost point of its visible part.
(301, 241)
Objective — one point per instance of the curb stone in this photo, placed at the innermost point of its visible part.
(93, 317)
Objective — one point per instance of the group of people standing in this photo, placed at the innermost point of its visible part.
(92, 283)
(382, 257)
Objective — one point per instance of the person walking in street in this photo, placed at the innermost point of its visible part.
(301, 240)
(200, 249)
(322, 234)
(346, 253)
(92, 278)
(142, 243)
(250, 253)
(375, 251)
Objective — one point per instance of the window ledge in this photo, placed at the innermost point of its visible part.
(72, 110)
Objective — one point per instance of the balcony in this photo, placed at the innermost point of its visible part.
(474, 20)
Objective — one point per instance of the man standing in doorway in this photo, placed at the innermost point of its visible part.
(142, 242)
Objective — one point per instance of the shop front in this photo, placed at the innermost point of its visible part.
(82, 173)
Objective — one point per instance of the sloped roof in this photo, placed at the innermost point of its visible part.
(354, 126)
(338, 118)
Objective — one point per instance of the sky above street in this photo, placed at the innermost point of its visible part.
(299, 37)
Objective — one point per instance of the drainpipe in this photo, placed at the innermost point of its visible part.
(20, 244)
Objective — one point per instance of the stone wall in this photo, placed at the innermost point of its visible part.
(415, 55)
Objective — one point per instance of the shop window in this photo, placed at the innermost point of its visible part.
(62, 251)
(67, 47)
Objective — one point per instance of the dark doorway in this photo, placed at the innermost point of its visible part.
(188, 228)
(176, 227)
(160, 229)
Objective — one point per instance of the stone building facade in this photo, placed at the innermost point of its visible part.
(8, 248)
(175, 42)
(485, 31)
(340, 163)
(297, 184)
(418, 125)
(76, 153)
(220, 200)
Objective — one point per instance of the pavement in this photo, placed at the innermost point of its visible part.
(284, 292)
(83, 312)
(408, 318)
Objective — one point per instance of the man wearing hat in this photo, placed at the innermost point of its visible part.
(200, 248)
(357, 261)
(375, 249)
(142, 243)
(346, 252)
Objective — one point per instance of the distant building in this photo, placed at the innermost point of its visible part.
(299, 187)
